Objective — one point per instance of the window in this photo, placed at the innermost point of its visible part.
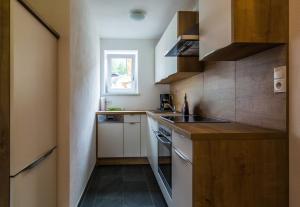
(121, 72)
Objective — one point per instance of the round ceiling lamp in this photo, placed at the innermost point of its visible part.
(137, 14)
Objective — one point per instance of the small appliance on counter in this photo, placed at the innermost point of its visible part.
(166, 102)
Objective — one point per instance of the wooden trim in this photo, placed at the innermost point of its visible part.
(4, 102)
(27, 6)
(122, 161)
(96, 135)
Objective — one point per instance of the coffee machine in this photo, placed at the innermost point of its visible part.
(166, 102)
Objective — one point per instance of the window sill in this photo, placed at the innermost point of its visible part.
(121, 94)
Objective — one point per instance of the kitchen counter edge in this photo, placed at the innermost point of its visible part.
(211, 131)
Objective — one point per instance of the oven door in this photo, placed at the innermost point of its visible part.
(165, 161)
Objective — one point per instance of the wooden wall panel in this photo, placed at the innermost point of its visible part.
(4, 100)
(240, 91)
(255, 98)
(193, 88)
(219, 90)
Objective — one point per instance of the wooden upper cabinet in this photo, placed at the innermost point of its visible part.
(170, 69)
(234, 29)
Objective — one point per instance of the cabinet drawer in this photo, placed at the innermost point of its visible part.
(183, 144)
(132, 118)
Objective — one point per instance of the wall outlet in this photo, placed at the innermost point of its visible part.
(280, 79)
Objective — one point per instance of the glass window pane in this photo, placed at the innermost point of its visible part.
(121, 73)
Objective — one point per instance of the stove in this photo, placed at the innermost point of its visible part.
(192, 119)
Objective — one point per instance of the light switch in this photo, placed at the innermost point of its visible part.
(280, 79)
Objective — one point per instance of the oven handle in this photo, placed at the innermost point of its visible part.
(160, 139)
(181, 155)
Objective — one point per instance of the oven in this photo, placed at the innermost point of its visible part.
(164, 138)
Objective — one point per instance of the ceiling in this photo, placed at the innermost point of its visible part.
(113, 21)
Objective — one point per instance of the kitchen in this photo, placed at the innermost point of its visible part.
(129, 103)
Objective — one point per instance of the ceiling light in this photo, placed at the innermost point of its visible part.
(137, 14)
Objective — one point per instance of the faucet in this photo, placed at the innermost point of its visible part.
(173, 108)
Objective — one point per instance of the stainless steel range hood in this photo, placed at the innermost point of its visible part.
(187, 45)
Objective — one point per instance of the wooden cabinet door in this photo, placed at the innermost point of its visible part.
(215, 26)
(132, 139)
(182, 180)
(110, 140)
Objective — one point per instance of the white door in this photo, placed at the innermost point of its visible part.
(33, 89)
(37, 186)
(110, 140)
(132, 139)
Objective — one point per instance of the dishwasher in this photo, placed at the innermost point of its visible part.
(110, 140)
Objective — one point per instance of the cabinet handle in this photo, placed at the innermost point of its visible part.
(132, 123)
(160, 139)
(181, 155)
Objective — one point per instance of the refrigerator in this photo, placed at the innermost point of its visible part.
(33, 103)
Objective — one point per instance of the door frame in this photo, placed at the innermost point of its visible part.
(4, 102)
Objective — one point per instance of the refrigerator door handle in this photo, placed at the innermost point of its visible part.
(35, 163)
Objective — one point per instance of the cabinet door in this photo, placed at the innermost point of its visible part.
(37, 186)
(33, 90)
(132, 139)
(110, 140)
(144, 135)
(166, 66)
(215, 25)
(152, 145)
(182, 181)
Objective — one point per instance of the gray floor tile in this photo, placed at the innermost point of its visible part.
(123, 186)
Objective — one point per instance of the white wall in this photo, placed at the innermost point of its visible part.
(149, 93)
(294, 121)
(84, 99)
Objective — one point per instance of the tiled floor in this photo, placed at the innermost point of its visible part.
(123, 186)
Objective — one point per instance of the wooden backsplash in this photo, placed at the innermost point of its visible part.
(240, 91)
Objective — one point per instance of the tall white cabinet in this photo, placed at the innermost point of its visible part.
(33, 113)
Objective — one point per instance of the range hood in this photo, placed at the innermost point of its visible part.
(187, 45)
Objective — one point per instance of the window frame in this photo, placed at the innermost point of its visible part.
(108, 56)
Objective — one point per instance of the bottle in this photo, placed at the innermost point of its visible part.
(185, 107)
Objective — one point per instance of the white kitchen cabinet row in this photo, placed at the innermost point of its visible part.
(122, 139)
(182, 169)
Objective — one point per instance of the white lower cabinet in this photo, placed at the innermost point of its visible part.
(182, 180)
(110, 140)
(123, 139)
(132, 139)
(144, 135)
(152, 145)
